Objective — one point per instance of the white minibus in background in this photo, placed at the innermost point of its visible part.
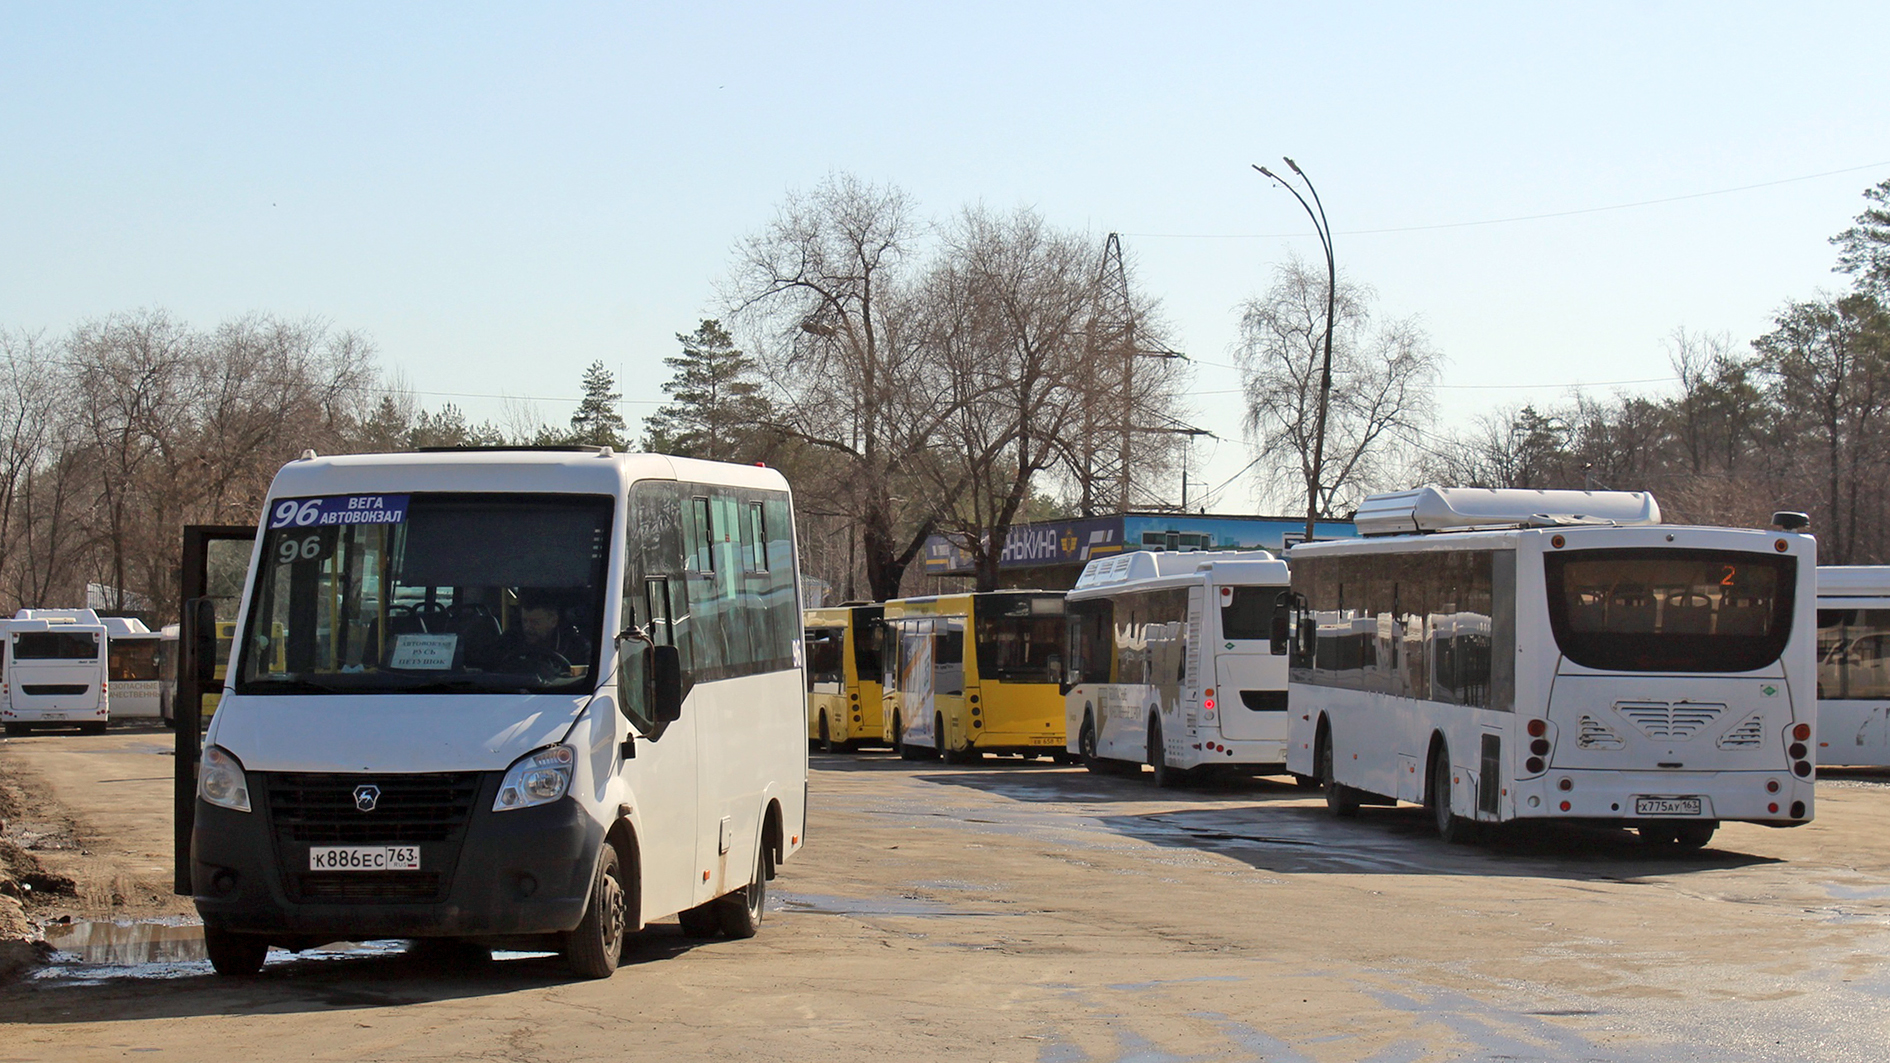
(54, 673)
(132, 667)
(1854, 665)
(534, 698)
(1556, 655)
(1172, 662)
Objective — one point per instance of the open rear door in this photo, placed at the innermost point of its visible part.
(215, 562)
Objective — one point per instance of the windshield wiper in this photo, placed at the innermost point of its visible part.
(286, 686)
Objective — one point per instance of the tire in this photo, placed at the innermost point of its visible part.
(826, 736)
(93, 728)
(1086, 746)
(740, 912)
(234, 955)
(702, 921)
(1694, 834)
(1452, 828)
(905, 751)
(1165, 776)
(1341, 799)
(592, 950)
(1305, 782)
(15, 730)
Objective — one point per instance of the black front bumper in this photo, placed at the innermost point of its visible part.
(507, 873)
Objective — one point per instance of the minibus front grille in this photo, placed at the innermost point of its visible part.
(54, 690)
(366, 886)
(323, 809)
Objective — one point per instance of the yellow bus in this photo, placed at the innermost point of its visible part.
(969, 674)
(843, 676)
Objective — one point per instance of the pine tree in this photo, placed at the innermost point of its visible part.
(717, 409)
(597, 422)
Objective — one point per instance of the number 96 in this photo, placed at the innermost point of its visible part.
(308, 549)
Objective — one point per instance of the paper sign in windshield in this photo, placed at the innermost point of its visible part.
(337, 510)
(423, 652)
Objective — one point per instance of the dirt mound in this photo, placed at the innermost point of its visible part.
(23, 881)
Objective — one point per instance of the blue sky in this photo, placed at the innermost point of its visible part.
(501, 194)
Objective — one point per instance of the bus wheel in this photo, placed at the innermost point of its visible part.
(1452, 828)
(1340, 798)
(740, 912)
(900, 745)
(234, 955)
(95, 728)
(1165, 776)
(15, 730)
(1694, 835)
(826, 736)
(592, 949)
(1086, 746)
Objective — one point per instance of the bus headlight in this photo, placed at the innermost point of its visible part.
(220, 780)
(536, 779)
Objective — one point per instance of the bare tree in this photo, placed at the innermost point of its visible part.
(1009, 304)
(1382, 381)
(823, 289)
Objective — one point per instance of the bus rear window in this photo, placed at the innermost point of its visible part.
(1248, 612)
(55, 646)
(1655, 610)
(133, 661)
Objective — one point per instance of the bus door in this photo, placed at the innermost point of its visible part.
(215, 563)
(1249, 664)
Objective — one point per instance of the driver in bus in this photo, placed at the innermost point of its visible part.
(543, 636)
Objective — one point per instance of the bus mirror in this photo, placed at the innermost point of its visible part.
(1308, 633)
(666, 684)
(200, 614)
(1282, 633)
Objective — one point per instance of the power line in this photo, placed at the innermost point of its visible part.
(1516, 218)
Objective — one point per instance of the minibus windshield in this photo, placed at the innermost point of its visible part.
(1670, 610)
(428, 593)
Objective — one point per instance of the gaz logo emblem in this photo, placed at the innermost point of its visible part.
(1769, 690)
(366, 797)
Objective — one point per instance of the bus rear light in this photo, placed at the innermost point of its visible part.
(1558, 542)
(1565, 784)
(1802, 732)
(1780, 545)
(1540, 747)
(1209, 692)
(1208, 704)
(1772, 808)
(1796, 751)
(1802, 769)
(1566, 806)
(1534, 765)
(1538, 728)
(1771, 786)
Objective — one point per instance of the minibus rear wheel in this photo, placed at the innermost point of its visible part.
(826, 736)
(741, 911)
(234, 955)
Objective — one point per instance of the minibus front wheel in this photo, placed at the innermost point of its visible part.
(234, 955)
(593, 948)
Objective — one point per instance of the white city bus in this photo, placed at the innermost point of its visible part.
(1173, 662)
(1557, 655)
(1854, 665)
(55, 672)
(132, 667)
(526, 697)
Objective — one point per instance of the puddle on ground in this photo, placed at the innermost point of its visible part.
(89, 951)
(821, 904)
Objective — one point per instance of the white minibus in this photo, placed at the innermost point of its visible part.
(132, 667)
(1556, 655)
(54, 672)
(533, 697)
(1173, 662)
(1854, 665)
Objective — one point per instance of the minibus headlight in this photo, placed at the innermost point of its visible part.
(220, 780)
(536, 779)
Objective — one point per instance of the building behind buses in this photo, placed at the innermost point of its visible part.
(1854, 665)
(514, 697)
(844, 676)
(969, 674)
(54, 672)
(1556, 655)
(1178, 660)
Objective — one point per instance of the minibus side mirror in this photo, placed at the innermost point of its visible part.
(666, 693)
(1281, 634)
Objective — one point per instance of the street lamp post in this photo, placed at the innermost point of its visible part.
(1325, 375)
